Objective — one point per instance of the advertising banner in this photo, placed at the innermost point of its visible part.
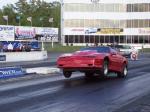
(2, 57)
(137, 31)
(93, 31)
(74, 31)
(6, 33)
(25, 33)
(11, 72)
(47, 34)
(106, 31)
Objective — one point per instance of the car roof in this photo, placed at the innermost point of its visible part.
(107, 48)
(99, 47)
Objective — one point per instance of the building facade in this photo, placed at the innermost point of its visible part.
(106, 21)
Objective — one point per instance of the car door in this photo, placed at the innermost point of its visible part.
(120, 61)
(115, 58)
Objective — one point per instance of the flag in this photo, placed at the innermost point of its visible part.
(50, 20)
(41, 18)
(17, 19)
(5, 18)
(29, 19)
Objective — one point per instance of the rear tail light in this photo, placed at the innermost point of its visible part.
(97, 61)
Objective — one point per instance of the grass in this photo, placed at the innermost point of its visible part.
(60, 48)
(145, 50)
(65, 49)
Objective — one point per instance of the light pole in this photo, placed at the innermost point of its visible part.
(62, 22)
(114, 33)
(43, 46)
(51, 20)
(95, 2)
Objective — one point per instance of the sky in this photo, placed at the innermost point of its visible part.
(5, 2)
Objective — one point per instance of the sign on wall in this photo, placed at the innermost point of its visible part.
(137, 31)
(9, 72)
(2, 57)
(74, 31)
(106, 31)
(6, 33)
(93, 31)
(25, 33)
(47, 34)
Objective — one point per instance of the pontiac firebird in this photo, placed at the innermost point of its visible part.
(94, 60)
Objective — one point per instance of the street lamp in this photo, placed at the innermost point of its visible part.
(94, 5)
(51, 20)
(114, 33)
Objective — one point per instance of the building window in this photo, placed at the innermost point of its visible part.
(143, 7)
(99, 7)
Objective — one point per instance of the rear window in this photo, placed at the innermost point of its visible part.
(98, 49)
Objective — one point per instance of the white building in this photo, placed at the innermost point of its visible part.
(106, 21)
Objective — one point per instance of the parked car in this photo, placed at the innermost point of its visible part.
(91, 60)
(26, 47)
(125, 50)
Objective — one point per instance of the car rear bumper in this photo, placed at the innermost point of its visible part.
(82, 69)
(80, 64)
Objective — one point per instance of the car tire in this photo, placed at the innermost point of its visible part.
(89, 74)
(67, 74)
(124, 72)
(105, 69)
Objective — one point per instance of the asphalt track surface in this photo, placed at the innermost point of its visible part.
(77, 94)
(52, 57)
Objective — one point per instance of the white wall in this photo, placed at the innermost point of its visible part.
(24, 56)
(108, 1)
(107, 15)
(136, 46)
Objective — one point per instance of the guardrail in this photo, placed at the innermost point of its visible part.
(23, 56)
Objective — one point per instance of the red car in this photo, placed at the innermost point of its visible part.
(91, 60)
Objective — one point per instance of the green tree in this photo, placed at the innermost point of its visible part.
(39, 10)
(8, 10)
(1, 16)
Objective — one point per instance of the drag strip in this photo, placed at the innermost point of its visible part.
(78, 94)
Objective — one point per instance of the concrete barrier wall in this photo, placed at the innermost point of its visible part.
(24, 56)
(137, 46)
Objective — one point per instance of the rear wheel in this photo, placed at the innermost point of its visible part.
(105, 69)
(67, 74)
(124, 72)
